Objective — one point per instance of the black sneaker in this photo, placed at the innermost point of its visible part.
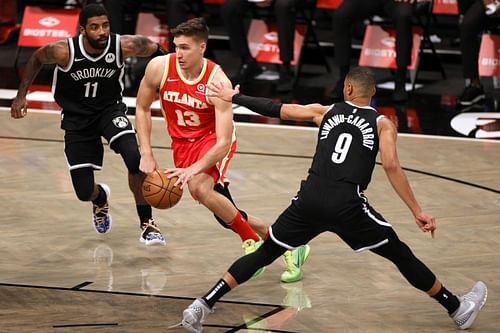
(472, 94)
(400, 94)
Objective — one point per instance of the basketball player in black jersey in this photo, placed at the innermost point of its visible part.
(88, 86)
(351, 133)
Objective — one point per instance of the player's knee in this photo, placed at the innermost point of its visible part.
(200, 193)
(83, 183)
(127, 147)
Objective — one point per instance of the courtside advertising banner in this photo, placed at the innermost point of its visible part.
(154, 27)
(263, 42)
(379, 47)
(328, 4)
(43, 26)
(489, 55)
(445, 7)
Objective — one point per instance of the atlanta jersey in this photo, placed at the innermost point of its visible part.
(89, 85)
(185, 106)
(347, 144)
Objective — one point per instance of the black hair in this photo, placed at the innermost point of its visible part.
(196, 27)
(363, 77)
(91, 10)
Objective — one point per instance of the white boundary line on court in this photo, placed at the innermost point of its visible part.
(295, 128)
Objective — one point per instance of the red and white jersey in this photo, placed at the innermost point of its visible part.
(184, 103)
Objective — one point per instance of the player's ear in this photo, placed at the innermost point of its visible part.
(203, 47)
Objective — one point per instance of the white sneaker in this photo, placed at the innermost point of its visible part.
(194, 316)
(470, 304)
(151, 234)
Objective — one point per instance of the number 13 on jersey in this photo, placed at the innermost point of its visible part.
(187, 118)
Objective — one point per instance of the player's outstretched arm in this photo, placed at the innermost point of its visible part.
(140, 46)
(145, 97)
(268, 107)
(54, 53)
(397, 177)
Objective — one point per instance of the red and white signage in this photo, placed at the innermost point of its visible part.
(154, 27)
(489, 55)
(43, 26)
(379, 47)
(328, 4)
(263, 42)
(445, 7)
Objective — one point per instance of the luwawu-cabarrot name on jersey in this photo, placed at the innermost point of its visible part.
(361, 123)
(88, 73)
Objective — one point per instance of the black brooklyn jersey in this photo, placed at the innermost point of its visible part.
(88, 85)
(347, 144)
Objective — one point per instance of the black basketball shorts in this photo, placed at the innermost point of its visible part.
(84, 148)
(340, 208)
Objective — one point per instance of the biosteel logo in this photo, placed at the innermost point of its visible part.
(49, 22)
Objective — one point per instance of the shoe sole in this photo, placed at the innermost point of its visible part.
(152, 242)
(474, 101)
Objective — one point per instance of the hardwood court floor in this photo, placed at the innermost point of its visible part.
(58, 275)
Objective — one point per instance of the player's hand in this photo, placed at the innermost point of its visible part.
(19, 108)
(426, 223)
(219, 90)
(148, 164)
(184, 175)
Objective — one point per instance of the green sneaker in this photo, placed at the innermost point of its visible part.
(294, 260)
(250, 246)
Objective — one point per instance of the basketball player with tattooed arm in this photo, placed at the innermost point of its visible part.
(351, 133)
(88, 86)
(202, 133)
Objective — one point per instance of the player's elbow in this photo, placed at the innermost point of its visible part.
(390, 166)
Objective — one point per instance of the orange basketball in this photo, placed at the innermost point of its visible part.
(159, 191)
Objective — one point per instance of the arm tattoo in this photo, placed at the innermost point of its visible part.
(141, 46)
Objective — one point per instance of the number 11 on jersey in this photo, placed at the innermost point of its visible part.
(88, 89)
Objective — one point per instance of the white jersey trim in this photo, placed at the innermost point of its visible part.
(277, 241)
(132, 131)
(374, 246)
(85, 165)
(359, 106)
(88, 56)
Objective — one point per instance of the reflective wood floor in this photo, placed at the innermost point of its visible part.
(58, 275)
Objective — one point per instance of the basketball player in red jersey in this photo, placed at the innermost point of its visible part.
(202, 131)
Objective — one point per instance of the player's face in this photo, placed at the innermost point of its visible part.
(189, 52)
(96, 32)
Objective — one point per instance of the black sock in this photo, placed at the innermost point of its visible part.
(447, 299)
(144, 212)
(101, 198)
(220, 289)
